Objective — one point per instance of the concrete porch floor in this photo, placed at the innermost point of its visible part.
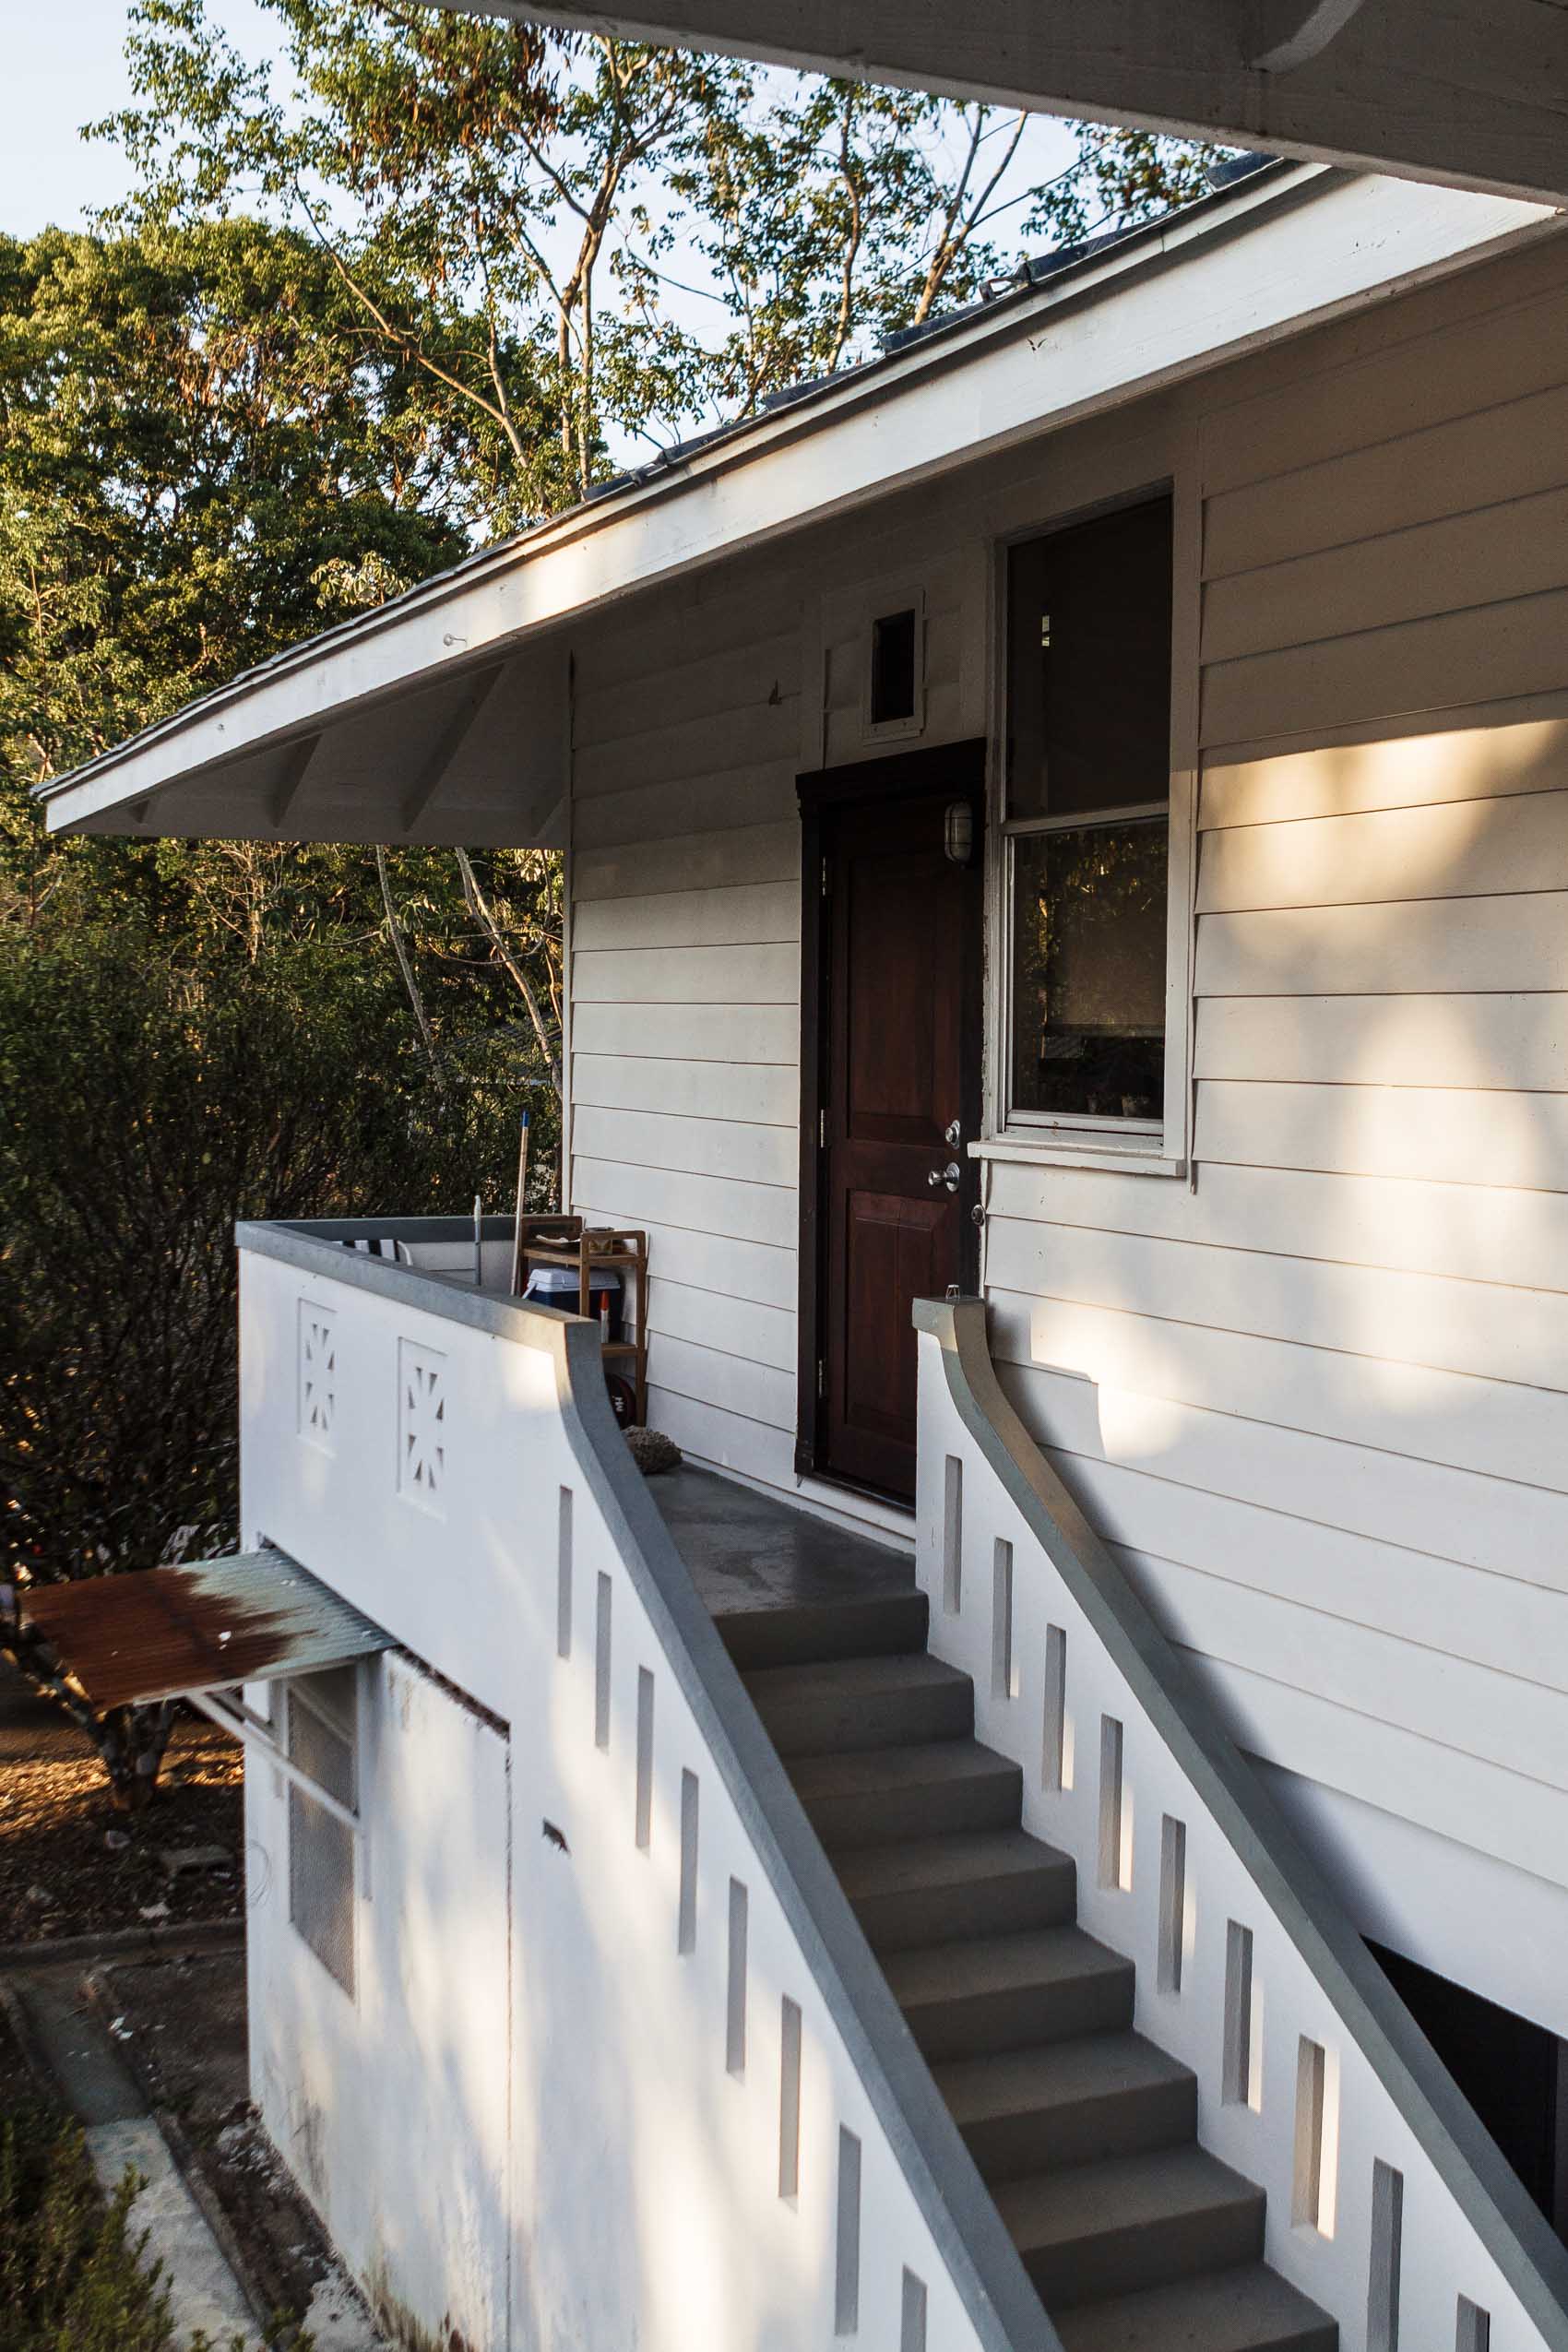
(769, 1571)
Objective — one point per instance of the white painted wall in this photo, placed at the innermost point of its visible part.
(390, 2105)
(1319, 1401)
(645, 2190)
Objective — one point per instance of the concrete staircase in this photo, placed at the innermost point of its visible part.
(1136, 2238)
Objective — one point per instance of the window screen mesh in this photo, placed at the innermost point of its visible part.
(321, 1849)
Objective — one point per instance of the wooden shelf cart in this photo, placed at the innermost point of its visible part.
(567, 1241)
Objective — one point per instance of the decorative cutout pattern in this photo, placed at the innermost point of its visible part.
(421, 1424)
(317, 1373)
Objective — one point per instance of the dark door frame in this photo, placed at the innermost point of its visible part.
(959, 769)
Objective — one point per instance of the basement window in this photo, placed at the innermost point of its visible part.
(321, 1740)
(1086, 830)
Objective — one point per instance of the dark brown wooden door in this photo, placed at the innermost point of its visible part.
(899, 1075)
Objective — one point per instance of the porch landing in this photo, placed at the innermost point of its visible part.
(776, 1578)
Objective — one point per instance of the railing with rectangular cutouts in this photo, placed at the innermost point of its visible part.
(721, 2131)
(1387, 2204)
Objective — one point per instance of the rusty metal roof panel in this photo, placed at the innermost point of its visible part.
(158, 1633)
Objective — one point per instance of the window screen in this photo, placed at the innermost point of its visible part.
(321, 1848)
(1088, 829)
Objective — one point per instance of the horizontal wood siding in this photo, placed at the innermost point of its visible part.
(1318, 1397)
(1319, 1401)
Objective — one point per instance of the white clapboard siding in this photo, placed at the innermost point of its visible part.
(668, 811)
(1511, 1139)
(1508, 1814)
(731, 858)
(688, 975)
(1461, 561)
(1428, 1509)
(759, 1094)
(729, 1326)
(692, 686)
(683, 1203)
(1499, 748)
(1462, 850)
(1496, 1428)
(722, 1147)
(1363, 1311)
(722, 1033)
(742, 915)
(1472, 1233)
(710, 1376)
(730, 617)
(1498, 1718)
(1430, 360)
(715, 744)
(1489, 651)
(1444, 1609)
(1480, 1041)
(706, 1432)
(755, 1271)
(1429, 947)
(1480, 459)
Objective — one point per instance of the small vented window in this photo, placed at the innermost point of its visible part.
(893, 681)
(321, 1844)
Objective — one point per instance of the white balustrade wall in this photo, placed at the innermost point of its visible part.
(1383, 2205)
(705, 2144)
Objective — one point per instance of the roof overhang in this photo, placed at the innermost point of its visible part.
(210, 1625)
(444, 717)
(1470, 93)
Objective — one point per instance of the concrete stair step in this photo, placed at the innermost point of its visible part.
(937, 1786)
(1129, 2222)
(930, 1890)
(969, 1998)
(1074, 2102)
(852, 1702)
(802, 1632)
(1250, 2310)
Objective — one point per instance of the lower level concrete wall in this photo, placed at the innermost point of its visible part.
(390, 2105)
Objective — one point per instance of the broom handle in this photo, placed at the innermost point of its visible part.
(522, 1178)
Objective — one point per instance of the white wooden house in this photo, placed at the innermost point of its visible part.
(1068, 822)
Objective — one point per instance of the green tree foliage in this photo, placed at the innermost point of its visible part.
(563, 187)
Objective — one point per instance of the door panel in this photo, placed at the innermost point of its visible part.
(898, 999)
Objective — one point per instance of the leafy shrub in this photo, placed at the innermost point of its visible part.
(71, 2268)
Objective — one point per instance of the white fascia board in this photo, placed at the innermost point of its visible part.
(1303, 246)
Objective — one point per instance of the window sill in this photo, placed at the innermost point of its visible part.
(1114, 1159)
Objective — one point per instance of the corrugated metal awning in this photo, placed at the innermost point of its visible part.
(161, 1632)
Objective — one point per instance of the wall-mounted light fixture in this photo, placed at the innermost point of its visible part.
(958, 833)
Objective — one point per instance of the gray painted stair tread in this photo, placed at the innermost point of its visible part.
(952, 1861)
(851, 1678)
(875, 1769)
(1017, 2081)
(1250, 2310)
(1120, 2195)
(1038, 1959)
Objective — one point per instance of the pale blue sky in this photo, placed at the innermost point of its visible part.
(63, 67)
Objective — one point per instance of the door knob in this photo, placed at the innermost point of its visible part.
(951, 1176)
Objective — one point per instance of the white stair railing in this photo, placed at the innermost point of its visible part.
(1387, 2202)
(722, 2132)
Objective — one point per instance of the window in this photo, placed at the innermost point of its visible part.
(893, 668)
(1087, 823)
(321, 1736)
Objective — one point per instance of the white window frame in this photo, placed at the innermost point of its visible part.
(1151, 1147)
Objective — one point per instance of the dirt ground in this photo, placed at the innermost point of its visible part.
(58, 1877)
(181, 2024)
